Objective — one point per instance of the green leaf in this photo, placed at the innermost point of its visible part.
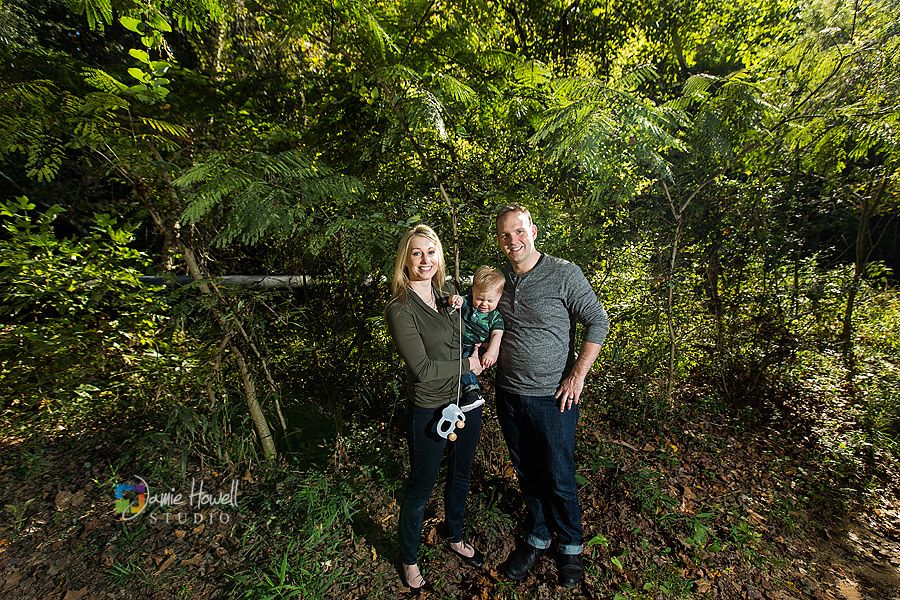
(160, 67)
(141, 55)
(130, 23)
(138, 74)
(159, 22)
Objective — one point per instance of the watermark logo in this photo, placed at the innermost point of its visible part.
(197, 506)
(135, 502)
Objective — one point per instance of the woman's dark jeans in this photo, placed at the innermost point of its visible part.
(425, 450)
(541, 442)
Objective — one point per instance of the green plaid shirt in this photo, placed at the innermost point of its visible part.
(479, 325)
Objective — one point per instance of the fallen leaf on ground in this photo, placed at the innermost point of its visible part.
(12, 581)
(193, 561)
(166, 564)
(63, 499)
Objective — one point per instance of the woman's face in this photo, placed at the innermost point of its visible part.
(422, 259)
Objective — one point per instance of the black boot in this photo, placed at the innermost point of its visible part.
(570, 568)
(522, 560)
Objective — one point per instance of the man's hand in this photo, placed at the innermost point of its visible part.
(569, 392)
(570, 389)
(455, 301)
(489, 358)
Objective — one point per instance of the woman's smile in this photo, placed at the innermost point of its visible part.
(422, 259)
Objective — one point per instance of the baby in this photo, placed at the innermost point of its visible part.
(483, 324)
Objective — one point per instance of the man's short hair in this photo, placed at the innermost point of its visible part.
(513, 207)
(489, 278)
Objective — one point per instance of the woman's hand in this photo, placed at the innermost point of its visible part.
(475, 365)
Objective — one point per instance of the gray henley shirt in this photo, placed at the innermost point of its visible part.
(540, 310)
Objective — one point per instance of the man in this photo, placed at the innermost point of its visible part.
(539, 382)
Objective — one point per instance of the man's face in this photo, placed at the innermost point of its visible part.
(485, 300)
(515, 236)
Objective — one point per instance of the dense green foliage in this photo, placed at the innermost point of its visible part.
(726, 173)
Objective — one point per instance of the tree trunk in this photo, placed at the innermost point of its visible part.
(678, 51)
(253, 406)
(867, 209)
(670, 306)
(256, 413)
(677, 214)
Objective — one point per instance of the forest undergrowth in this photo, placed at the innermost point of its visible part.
(680, 500)
(725, 173)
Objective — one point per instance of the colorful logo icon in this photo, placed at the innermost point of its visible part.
(131, 498)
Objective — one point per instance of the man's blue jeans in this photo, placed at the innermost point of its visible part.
(541, 443)
(425, 450)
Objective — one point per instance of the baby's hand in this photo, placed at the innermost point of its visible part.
(488, 359)
(456, 301)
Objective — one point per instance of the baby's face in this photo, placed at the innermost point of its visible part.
(485, 300)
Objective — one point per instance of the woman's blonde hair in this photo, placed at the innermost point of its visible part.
(400, 280)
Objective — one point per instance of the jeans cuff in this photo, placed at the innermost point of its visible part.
(570, 548)
(540, 544)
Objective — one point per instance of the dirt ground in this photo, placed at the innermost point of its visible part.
(705, 510)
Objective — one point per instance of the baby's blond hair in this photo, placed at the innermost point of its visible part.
(488, 278)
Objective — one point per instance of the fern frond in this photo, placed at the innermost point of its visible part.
(165, 127)
(578, 88)
(455, 88)
(497, 60)
(423, 110)
(97, 103)
(198, 173)
(398, 75)
(698, 85)
(532, 73)
(103, 81)
(259, 194)
(638, 76)
(376, 33)
(99, 12)
(159, 141)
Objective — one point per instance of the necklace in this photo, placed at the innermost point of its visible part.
(431, 301)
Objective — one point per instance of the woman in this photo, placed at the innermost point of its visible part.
(427, 334)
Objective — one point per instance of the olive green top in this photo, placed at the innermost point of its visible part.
(429, 343)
